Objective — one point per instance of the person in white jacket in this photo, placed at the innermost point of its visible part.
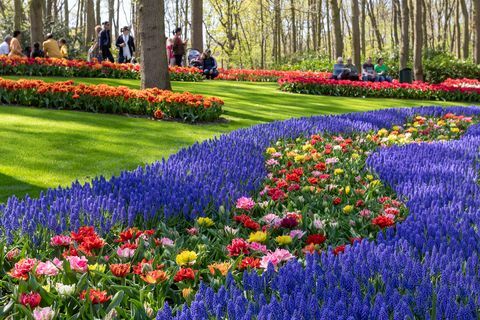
(5, 46)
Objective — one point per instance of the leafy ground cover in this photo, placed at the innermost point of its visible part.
(58, 147)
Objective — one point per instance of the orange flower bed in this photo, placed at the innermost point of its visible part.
(81, 68)
(160, 104)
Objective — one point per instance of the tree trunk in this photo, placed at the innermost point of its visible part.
(154, 67)
(36, 21)
(356, 34)
(117, 21)
(329, 33)
(396, 22)
(476, 6)
(98, 13)
(263, 42)
(458, 31)
(373, 19)
(362, 26)
(277, 46)
(466, 29)
(197, 25)
(338, 28)
(294, 26)
(17, 20)
(405, 42)
(90, 22)
(48, 13)
(66, 14)
(319, 23)
(111, 11)
(418, 41)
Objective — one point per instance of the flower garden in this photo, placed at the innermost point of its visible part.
(51, 67)
(159, 104)
(449, 90)
(358, 215)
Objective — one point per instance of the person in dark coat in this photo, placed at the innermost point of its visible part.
(106, 42)
(209, 65)
(126, 46)
(178, 46)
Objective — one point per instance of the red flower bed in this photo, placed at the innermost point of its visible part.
(81, 68)
(266, 75)
(107, 99)
(452, 90)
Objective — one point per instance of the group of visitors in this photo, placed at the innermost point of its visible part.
(102, 44)
(176, 51)
(370, 72)
(51, 48)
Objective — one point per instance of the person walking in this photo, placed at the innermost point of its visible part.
(178, 46)
(5, 46)
(15, 46)
(106, 42)
(51, 48)
(94, 51)
(126, 46)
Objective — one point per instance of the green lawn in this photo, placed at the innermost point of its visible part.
(47, 148)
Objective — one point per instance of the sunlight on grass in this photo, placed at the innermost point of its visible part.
(47, 148)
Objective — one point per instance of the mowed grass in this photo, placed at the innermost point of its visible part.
(42, 148)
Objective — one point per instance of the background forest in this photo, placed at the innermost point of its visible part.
(284, 34)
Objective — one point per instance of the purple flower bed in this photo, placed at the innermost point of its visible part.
(426, 268)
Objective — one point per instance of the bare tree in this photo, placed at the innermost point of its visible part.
(197, 24)
(418, 41)
(154, 55)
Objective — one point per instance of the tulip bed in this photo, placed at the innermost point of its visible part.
(450, 90)
(254, 204)
(267, 75)
(51, 67)
(159, 104)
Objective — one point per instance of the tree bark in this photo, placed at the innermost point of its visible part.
(338, 28)
(356, 34)
(154, 67)
(362, 26)
(405, 36)
(17, 20)
(66, 14)
(111, 11)
(373, 19)
(466, 29)
(294, 26)
(418, 41)
(476, 6)
(197, 25)
(90, 22)
(329, 33)
(98, 13)
(36, 21)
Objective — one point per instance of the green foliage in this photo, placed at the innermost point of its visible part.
(437, 65)
(440, 66)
